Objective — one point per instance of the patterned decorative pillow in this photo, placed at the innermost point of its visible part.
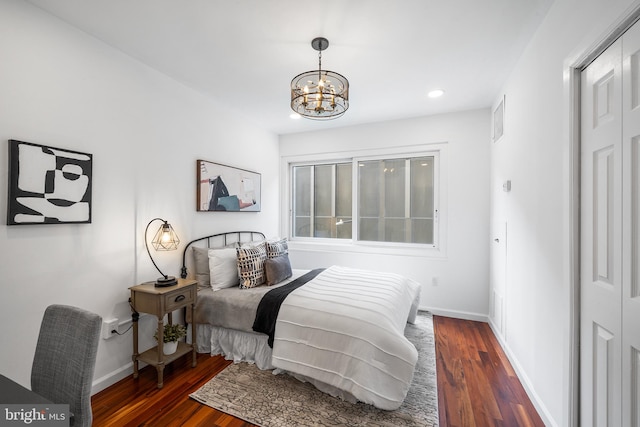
(277, 247)
(251, 260)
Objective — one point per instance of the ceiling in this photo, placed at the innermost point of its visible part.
(244, 53)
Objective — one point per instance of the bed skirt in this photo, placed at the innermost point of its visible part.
(240, 346)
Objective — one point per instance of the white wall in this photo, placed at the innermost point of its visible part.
(62, 88)
(535, 155)
(463, 274)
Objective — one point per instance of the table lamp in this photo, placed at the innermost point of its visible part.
(165, 239)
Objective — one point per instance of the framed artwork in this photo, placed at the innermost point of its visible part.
(498, 121)
(48, 185)
(227, 189)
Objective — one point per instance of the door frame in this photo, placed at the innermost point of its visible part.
(573, 66)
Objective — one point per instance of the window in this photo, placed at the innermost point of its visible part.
(395, 202)
(367, 199)
(322, 193)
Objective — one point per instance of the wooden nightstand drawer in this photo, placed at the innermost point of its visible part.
(179, 298)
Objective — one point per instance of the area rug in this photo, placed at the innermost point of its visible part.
(268, 400)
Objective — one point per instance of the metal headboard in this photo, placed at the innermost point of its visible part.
(224, 239)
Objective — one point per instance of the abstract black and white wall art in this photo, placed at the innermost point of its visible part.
(48, 185)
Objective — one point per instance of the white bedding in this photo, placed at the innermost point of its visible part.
(324, 332)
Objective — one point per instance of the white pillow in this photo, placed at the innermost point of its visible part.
(223, 268)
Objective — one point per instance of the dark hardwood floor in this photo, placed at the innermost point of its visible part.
(476, 384)
(476, 387)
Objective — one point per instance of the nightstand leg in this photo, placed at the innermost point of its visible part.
(135, 366)
(193, 336)
(160, 369)
(160, 365)
(135, 348)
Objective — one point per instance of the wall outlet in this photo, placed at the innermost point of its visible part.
(108, 326)
(434, 281)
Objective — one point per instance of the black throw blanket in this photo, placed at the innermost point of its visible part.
(269, 306)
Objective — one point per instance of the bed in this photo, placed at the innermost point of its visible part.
(339, 328)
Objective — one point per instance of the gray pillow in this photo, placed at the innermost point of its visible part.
(277, 269)
(201, 259)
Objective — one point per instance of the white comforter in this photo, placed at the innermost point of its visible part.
(349, 333)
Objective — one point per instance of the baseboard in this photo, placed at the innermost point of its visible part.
(101, 383)
(456, 314)
(524, 379)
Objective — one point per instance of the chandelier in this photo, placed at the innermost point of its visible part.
(320, 94)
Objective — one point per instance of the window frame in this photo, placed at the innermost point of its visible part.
(436, 250)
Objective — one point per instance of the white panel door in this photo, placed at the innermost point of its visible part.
(601, 233)
(610, 222)
(631, 227)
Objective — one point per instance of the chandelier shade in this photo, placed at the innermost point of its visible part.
(320, 94)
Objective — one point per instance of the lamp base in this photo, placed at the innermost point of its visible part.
(166, 281)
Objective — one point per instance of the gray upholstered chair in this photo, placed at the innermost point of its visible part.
(65, 359)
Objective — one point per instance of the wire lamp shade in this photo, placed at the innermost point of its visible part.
(320, 94)
(165, 239)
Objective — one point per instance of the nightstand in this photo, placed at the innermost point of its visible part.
(147, 298)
